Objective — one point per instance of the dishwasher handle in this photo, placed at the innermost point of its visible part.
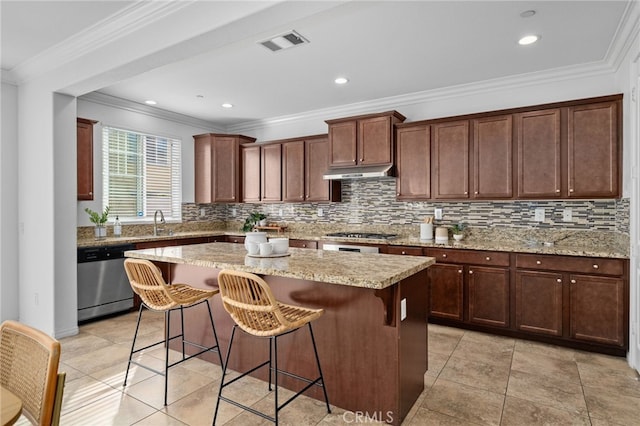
(96, 254)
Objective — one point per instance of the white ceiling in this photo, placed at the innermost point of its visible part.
(385, 48)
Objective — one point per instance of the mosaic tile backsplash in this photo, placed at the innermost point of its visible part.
(372, 202)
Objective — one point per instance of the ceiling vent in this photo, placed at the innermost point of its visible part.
(284, 41)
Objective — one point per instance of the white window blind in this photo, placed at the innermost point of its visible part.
(142, 174)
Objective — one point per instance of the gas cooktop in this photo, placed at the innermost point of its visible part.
(366, 235)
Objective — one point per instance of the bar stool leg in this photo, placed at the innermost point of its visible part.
(315, 351)
(167, 316)
(133, 345)
(215, 335)
(182, 329)
(275, 375)
(224, 373)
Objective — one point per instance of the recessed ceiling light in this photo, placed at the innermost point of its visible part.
(150, 102)
(199, 96)
(341, 80)
(527, 13)
(529, 39)
(227, 105)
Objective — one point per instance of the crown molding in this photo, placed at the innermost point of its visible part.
(626, 34)
(114, 27)
(127, 105)
(463, 90)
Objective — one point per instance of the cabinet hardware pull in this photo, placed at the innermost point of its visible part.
(397, 193)
(459, 271)
(557, 190)
(403, 252)
(476, 192)
(444, 255)
(304, 246)
(487, 258)
(538, 262)
(571, 190)
(595, 266)
(559, 280)
(573, 281)
(466, 192)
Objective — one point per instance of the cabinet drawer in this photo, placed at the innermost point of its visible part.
(591, 265)
(303, 244)
(411, 251)
(470, 257)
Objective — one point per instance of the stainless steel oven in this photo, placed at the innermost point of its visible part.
(350, 247)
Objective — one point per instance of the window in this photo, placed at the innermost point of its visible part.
(141, 175)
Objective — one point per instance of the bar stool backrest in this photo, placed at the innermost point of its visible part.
(29, 362)
(250, 302)
(147, 282)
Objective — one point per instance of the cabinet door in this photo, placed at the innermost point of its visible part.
(342, 143)
(413, 163)
(293, 171)
(597, 309)
(316, 163)
(226, 173)
(250, 173)
(84, 164)
(539, 302)
(450, 160)
(538, 151)
(593, 151)
(271, 172)
(203, 168)
(374, 141)
(446, 291)
(489, 296)
(492, 157)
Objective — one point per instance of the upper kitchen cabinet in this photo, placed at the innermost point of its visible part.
(413, 162)
(594, 151)
(218, 167)
(271, 172)
(450, 160)
(492, 157)
(362, 140)
(316, 162)
(85, 158)
(250, 173)
(538, 147)
(293, 171)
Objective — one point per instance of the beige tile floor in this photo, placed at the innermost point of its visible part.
(473, 379)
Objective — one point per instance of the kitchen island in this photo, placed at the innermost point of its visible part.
(372, 338)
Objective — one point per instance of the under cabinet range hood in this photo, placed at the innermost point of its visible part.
(360, 172)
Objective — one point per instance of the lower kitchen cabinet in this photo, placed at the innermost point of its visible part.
(488, 296)
(578, 299)
(446, 292)
(598, 309)
(582, 302)
(539, 302)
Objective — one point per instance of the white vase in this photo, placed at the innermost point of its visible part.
(458, 237)
(100, 232)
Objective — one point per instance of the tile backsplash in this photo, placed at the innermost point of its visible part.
(372, 202)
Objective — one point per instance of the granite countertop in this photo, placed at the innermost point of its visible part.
(376, 271)
(568, 243)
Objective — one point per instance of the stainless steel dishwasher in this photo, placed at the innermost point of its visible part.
(103, 286)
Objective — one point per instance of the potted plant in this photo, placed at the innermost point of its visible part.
(99, 220)
(458, 231)
(254, 219)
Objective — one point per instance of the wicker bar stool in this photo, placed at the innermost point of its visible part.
(251, 304)
(29, 361)
(147, 282)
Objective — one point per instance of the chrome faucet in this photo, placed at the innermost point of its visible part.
(157, 230)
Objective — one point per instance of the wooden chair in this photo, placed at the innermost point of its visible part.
(29, 362)
(251, 304)
(147, 282)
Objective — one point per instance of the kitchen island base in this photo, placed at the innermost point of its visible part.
(372, 343)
